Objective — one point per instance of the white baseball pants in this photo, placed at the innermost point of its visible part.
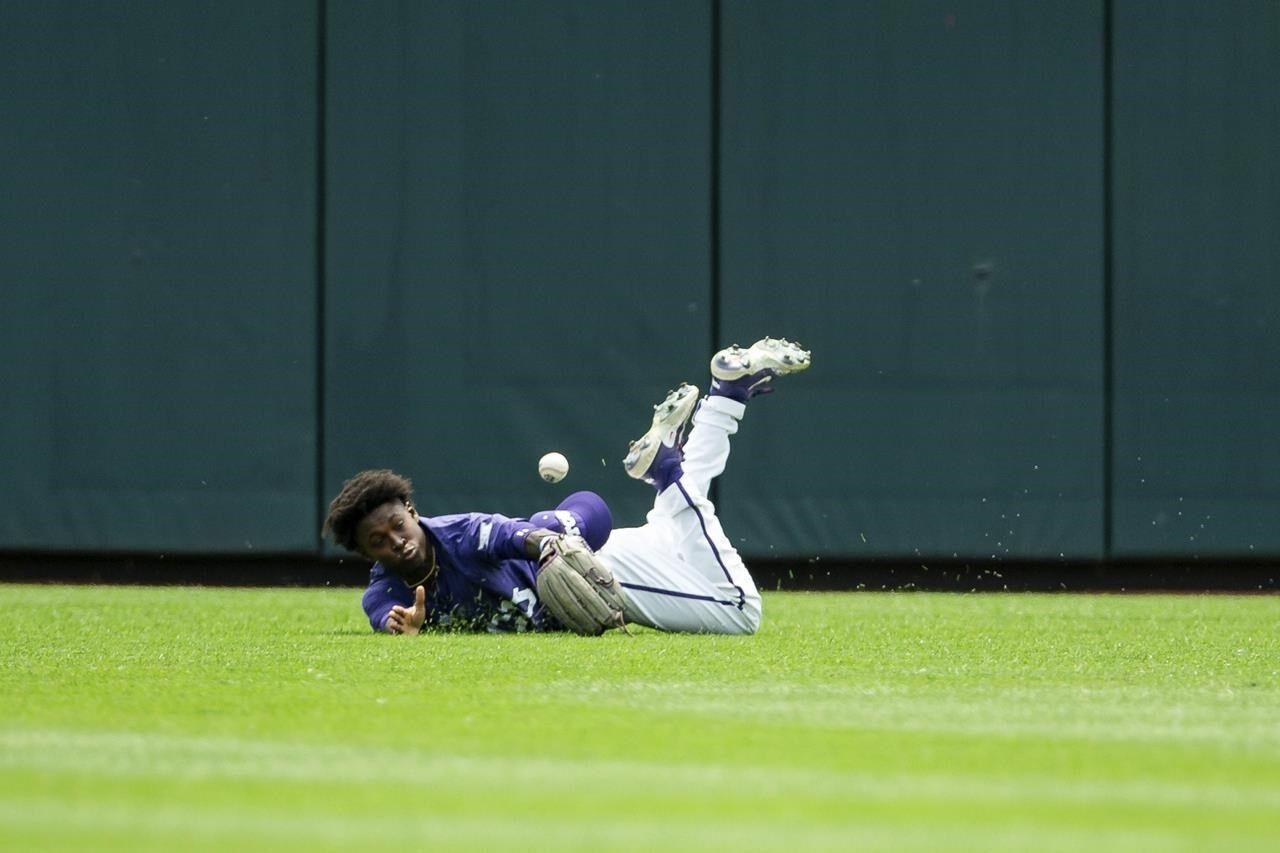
(679, 571)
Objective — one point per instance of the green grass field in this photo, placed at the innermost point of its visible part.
(213, 718)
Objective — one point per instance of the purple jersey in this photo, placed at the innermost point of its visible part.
(484, 582)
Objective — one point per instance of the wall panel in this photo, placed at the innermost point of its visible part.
(916, 192)
(156, 245)
(1197, 279)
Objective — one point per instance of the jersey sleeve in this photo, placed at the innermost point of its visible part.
(381, 595)
(501, 538)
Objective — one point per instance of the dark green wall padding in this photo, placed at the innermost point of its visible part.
(918, 196)
(157, 248)
(1197, 279)
(531, 220)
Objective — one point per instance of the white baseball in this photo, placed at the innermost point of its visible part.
(553, 467)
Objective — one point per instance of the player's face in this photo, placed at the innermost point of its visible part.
(392, 536)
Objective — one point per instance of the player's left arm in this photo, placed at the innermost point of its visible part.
(502, 538)
(535, 539)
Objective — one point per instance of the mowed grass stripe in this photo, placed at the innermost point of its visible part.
(199, 758)
(1220, 719)
(104, 827)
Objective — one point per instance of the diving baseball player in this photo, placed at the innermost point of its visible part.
(567, 568)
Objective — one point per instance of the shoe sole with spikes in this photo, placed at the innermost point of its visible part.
(777, 354)
(668, 417)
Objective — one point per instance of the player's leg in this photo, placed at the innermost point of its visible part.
(706, 450)
(665, 579)
(680, 571)
(662, 454)
(737, 375)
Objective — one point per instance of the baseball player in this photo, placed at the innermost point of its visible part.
(568, 567)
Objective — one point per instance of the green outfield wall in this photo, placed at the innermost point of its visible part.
(249, 249)
(1196, 278)
(157, 252)
(927, 187)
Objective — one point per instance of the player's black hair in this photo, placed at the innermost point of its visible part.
(361, 495)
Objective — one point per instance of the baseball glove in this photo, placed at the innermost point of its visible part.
(576, 587)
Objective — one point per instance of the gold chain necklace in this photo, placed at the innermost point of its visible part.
(431, 572)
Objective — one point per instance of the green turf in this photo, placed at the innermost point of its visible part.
(214, 718)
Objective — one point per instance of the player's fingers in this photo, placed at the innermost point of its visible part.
(419, 597)
(399, 611)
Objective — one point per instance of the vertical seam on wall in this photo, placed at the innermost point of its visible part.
(715, 175)
(714, 201)
(1108, 327)
(320, 270)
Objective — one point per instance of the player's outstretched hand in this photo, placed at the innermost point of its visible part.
(408, 620)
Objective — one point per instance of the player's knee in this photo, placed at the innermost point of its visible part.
(749, 621)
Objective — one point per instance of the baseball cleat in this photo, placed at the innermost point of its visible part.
(657, 453)
(743, 373)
